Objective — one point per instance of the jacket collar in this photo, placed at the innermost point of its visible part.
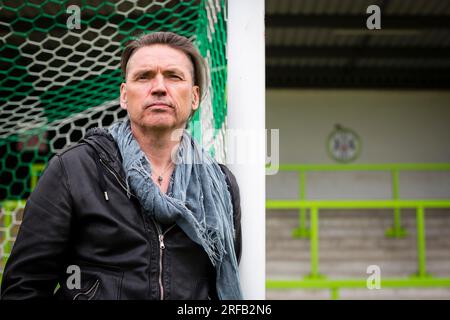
(105, 146)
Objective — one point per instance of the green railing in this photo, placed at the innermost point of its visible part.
(317, 281)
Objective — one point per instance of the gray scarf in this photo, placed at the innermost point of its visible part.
(199, 201)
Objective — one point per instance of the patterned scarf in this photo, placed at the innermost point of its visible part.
(199, 201)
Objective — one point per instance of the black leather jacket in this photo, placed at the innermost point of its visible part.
(121, 252)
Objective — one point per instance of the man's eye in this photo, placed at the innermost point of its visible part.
(175, 76)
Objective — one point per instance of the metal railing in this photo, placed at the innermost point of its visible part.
(315, 280)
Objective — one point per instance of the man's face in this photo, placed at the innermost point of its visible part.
(159, 92)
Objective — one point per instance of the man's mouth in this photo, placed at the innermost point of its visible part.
(158, 105)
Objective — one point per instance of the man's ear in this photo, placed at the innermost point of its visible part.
(123, 96)
(195, 97)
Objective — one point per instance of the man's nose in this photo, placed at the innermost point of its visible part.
(158, 86)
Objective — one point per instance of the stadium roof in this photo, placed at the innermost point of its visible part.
(326, 44)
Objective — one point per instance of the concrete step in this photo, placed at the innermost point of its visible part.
(344, 221)
(362, 217)
(290, 269)
(351, 241)
(352, 227)
(362, 294)
(363, 248)
(350, 222)
(356, 254)
(355, 243)
(337, 243)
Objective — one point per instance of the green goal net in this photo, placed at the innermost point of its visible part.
(60, 76)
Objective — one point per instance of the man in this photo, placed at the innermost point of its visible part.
(139, 209)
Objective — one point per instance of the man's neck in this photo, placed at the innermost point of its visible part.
(157, 144)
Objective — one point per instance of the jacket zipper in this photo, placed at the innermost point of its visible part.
(158, 228)
(119, 180)
(161, 251)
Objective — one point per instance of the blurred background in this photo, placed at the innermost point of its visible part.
(362, 197)
(364, 116)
